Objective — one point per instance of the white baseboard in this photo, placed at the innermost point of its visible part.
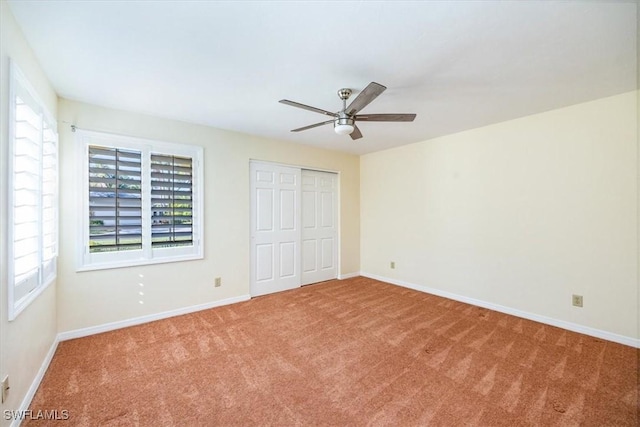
(348, 275)
(609, 336)
(92, 330)
(24, 406)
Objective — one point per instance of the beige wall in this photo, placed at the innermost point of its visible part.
(522, 214)
(94, 298)
(26, 340)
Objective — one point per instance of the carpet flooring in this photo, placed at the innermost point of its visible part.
(342, 353)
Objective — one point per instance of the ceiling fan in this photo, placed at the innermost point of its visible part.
(344, 121)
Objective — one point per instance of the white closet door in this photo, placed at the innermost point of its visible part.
(275, 228)
(319, 226)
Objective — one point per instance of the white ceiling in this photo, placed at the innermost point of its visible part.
(457, 64)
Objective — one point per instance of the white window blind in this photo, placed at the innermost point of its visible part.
(49, 199)
(33, 196)
(142, 201)
(171, 200)
(115, 199)
(26, 194)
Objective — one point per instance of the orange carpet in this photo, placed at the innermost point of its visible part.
(344, 353)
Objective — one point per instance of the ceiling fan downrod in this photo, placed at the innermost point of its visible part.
(344, 124)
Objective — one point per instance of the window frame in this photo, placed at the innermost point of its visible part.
(90, 261)
(46, 273)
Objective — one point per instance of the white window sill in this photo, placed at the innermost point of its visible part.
(136, 263)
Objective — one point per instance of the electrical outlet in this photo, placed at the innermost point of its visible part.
(577, 300)
(5, 388)
(393, 264)
(218, 282)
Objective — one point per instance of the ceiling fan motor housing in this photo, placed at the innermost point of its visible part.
(344, 124)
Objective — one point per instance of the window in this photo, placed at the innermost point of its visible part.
(33, 194)
(142, 201)
(115, 199)
(171, 201)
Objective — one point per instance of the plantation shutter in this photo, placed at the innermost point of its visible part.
(115, 199)
(33, 204)
(171, 201)
(142, 201)
(49, 200)
(27, 156)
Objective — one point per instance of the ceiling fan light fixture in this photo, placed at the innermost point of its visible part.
(343, 126)
(343, 129)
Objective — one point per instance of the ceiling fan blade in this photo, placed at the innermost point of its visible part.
(306, 107)
(386, 117)
(312, 126)
(356, 134)
(363, 99)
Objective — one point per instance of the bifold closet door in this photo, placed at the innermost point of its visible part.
(275, 228)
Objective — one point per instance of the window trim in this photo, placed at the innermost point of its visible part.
(18, 83)
(86, 261)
